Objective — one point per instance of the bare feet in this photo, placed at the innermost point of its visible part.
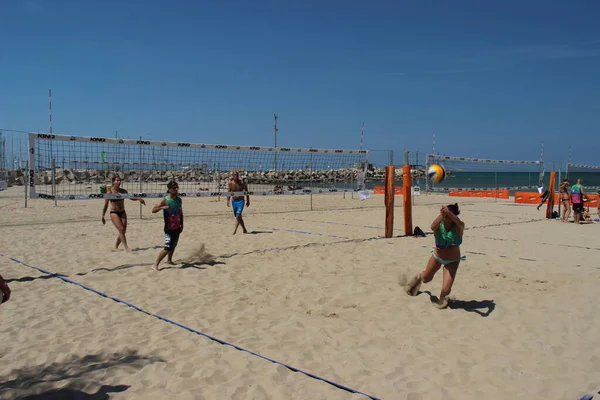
(412, 288)
(155, 268)
(442, 302)
(171, 262)
(130, 251)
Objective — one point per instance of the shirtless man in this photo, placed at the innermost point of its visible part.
(118, 216)
(237, 185)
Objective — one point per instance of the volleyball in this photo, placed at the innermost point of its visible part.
(436, 173)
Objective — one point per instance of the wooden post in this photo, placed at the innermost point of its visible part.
(407, 185)
(390, 177)
(550, 200)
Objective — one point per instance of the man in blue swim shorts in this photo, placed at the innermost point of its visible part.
(237, 202)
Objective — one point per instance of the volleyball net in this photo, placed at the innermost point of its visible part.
(76, 167)
(589, 174)
(464, 173)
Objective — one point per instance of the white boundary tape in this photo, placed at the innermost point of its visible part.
(64, 138)
(481, 160)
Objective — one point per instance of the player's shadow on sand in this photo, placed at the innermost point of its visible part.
(32, 278)
(72, 394)
(196, 265)
(258, 232)
(147, 248)
(39, 381)
(482, 307)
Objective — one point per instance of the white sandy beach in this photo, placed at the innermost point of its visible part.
(317, 290)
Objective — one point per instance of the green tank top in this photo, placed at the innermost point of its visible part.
(445, 239)
(173, 215)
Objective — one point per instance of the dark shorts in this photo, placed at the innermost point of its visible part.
(578, 207)
(171, 240)
(120, 214)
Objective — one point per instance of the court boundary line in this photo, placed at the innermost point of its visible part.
(192, 330)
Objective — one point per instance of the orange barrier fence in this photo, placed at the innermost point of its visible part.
(495, 194)
(535, 198)
(381, 190)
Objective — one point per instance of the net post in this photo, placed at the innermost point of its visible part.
(551, 186)
(26, 180)
(140, 177)
(559, 182)
(54, 181)
(426, 169)
(311, 181)
(407, 185)
(390, 177)
(31, 163)
(495, 187)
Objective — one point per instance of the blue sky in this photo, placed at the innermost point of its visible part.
(491, 78)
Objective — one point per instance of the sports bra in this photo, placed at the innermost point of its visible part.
(446, 239)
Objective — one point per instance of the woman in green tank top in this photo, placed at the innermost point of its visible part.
(448, 231)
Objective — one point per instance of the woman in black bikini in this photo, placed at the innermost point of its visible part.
(117, 212)
(565, 199)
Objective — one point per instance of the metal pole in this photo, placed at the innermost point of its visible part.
(559, 182)
(311, 181)
(26, 180)
(54, 181)
(140, 177)
(275, 129)
(496, 186)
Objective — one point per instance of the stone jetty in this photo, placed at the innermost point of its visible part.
(18, 178)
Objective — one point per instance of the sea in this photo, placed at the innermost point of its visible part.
(529, 181)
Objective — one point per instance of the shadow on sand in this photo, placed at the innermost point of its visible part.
(482, 307)
(73, 375)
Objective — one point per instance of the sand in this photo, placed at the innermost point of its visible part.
(317, 290)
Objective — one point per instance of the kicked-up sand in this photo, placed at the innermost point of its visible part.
(319, 291)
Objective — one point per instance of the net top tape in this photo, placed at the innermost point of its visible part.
(482, 160)
(459, 189)
(583, 166)
(85, 139)
(190, 194)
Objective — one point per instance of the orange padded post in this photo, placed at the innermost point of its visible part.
(550, 206)
(407, 184)
(390, 177)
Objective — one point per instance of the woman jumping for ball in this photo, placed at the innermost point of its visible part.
(118, 215)
(448, 230)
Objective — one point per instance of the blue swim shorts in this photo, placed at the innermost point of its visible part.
(237, 206)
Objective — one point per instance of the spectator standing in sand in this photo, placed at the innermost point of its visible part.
(578, 197)
(565, 199)
(171, 205)
(237, 202)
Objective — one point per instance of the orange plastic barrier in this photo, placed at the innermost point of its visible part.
(381, 190)
(535, 198)
(497, 194)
